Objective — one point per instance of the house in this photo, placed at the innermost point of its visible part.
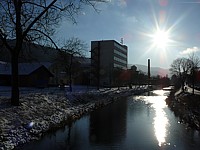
(30, 74)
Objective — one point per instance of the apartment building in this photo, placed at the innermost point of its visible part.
(105, 56)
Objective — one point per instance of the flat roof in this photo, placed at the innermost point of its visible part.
(109, 41)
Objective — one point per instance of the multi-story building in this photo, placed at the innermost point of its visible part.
(105, 56)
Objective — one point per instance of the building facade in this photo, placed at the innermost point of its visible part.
(105, 56)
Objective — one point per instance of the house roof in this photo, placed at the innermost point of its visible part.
(24, 68)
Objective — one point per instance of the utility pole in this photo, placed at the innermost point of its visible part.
(149, 75)
(193, 77)
(98, 65)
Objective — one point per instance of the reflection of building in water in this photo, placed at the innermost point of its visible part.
(108, 125)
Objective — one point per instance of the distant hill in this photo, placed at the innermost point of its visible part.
(30, 53)
(154, 70)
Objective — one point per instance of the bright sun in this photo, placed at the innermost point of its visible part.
(161, 39)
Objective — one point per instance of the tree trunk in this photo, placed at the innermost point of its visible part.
(15, 80)
(70, 74)
(193, 78)
(15, 54)
(182, 84)
(70, 81)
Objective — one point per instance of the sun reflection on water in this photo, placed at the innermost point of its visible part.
(160, 124)
(160, 119)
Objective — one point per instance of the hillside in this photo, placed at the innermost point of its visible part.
(154, 70)
(30, 53)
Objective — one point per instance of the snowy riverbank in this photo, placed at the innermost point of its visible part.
(186, 106)
(39, 112)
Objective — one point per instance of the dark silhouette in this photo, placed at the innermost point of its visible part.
(65, 59)
(33, 22)
(184, 70)
(181, 67)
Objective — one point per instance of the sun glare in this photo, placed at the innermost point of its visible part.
(161, 39)
(161, 121)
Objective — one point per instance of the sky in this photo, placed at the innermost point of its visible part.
(137, 22)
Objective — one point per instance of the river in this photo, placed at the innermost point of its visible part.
(133, 123)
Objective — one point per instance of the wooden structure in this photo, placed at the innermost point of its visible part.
(30, 75)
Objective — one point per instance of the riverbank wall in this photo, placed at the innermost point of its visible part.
(186, 106)
(40, 113)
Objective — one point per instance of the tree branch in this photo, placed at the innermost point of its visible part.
(38, 17)
(46, 36)
(28, 2)
(10, 15)
(4, 41)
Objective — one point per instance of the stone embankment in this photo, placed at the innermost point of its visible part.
(186, 106)
(39, 113)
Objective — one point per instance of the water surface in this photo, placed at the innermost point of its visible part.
(133, 123)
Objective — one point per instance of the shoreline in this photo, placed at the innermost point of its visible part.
(187, 107)
(40, 113)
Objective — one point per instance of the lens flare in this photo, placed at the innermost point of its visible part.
(161, 39)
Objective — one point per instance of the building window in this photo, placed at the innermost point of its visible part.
(120, 60)
(120, 47)
(120, 54)
(120, 66)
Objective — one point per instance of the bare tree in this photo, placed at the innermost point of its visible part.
(195, 60)
(32, 21)
(74, 47)
(181, 67)
(195, 65)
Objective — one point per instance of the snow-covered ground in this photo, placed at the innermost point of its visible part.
(6, 90)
